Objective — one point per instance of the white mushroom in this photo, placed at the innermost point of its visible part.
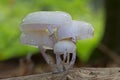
(65, 48)
(38, 29)
(76, 30)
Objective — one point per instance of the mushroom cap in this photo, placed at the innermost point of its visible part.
(78, 29)
(44, 19)
(64, 45)
(38, 38)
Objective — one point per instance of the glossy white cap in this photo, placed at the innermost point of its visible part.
(78, 29)
(64, 45)
(44, 19)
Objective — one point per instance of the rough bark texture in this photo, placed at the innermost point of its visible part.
(76, 74)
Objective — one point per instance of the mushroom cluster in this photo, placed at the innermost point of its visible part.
(57, 31)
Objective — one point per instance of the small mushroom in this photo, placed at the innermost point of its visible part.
(73, 32)
(76, 30)
(38, 29)
(63, 50)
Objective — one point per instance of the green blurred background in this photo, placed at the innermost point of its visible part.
(13, 11)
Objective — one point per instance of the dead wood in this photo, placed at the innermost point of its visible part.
(76, 74)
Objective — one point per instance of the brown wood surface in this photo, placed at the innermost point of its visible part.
(76, 74)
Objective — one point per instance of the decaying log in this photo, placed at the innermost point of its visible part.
(76, 74)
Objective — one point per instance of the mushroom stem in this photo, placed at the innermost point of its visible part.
(53, 38)
(73, 59)
(68, 58)
(52, 35)
(50, 29)
(65, 55)
(44, 55)
(59, 63)
(58, 59)
(74, 39)
(70, 62)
